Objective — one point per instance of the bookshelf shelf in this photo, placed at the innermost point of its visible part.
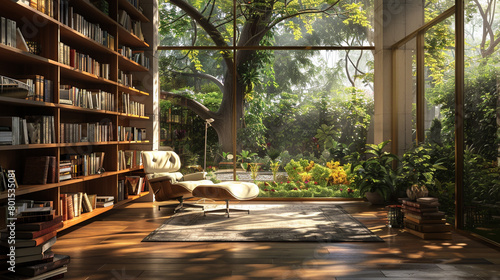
(11, 54)
(55, 40)
(129, 65)
(132, 10)
(98, 211)
(128, 39)
(75, 38)
(26, 103)
(26, 147)
(131, 90)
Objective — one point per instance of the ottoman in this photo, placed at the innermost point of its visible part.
(233, 190)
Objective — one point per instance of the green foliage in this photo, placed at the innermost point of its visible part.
(301, 189)
(376, 174)
(419, 167)
(480, 105)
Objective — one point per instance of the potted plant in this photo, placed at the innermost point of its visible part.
(375, 176)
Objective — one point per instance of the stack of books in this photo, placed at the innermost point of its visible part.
(423, 219)
(105, 201)
(35, 233)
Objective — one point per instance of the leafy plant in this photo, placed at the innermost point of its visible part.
(275, 166)
(254, 168)
(376, 174)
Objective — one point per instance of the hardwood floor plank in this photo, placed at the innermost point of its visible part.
(109, 247)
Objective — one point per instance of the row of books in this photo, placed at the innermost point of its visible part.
(29, 130)
(35, 234)
(86, 98)
(86, 132)
(423, 219)
(8, 32)
(129, 159)
(73, 205)
(137, 56)
(82, 165)
(131, 107)
(47, 7)
(29, 87)
(11, 35)
(87, 28)
(125, 79)
(129, 133)
(82, 62)
(65, 170)
(131, 25)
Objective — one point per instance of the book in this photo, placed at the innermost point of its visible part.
(439, 227)
(38, 269)
(430, 235)
(132, 184)
(421, 210)
(104, 204)
(421, 204)
(424, 216)
(40, 225)
(37, 211)
(20, 252)
(21, 243)
(20, 41)
(87, 206)
(420, 221)
(36, 170)
(36, 218)
(427, 200)
(43, 257)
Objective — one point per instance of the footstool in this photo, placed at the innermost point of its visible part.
(233, 190)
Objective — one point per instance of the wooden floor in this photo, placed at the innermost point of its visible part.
(110, 247)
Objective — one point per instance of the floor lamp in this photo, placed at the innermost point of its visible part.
(207, 124)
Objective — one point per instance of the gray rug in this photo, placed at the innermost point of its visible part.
(266, 222)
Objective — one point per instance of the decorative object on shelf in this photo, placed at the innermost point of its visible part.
(416, 191)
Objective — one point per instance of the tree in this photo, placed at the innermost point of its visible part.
(255, 21)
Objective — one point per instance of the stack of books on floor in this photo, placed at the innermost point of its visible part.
(423, 219)
(29, 245)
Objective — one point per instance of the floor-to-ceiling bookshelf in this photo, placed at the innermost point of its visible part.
(80, 45)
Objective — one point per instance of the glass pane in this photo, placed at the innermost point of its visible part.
(177, 27)
(482, 115)
(305, 23)
(308, 106)
(266, 23)
(189, 79)
(433, 8)
(439, 116)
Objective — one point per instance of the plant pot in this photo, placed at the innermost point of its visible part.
(375, 198)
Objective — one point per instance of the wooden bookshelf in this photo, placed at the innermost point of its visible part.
(49, 32)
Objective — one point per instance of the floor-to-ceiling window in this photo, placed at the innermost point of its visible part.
(482, 118)
(282, 80)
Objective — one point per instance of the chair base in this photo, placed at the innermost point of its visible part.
(181, 206)
(226, 210)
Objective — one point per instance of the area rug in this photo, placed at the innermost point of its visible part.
(266, 222)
